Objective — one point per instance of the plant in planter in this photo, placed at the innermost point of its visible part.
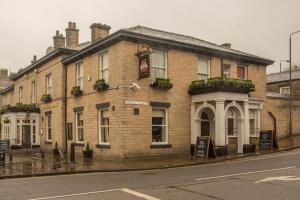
(6, 120)
(46, 98)
(55, 150)
(87, 152)
(100, 85)
(76, 91)
(162, 83)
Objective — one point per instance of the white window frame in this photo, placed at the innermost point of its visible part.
(78, 127)
(165, 68)
(21, 93)
(33, 91)
(47, 126)
(226, 71)
(166, 125)
(49, 83)
(246, 72)
(284, 88)
(103, 69)
(100, 117)
(209, 68)
(235, 134)
(79, 75)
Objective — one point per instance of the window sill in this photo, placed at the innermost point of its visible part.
(103, 146)
(157, 146)
(48, 142)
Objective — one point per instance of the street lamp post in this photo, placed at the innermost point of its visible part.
(290, 83)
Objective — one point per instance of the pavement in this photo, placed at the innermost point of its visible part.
(268, 176)
(27, 164)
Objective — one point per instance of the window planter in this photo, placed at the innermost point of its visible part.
(87, 153)
(20, 108)
(100, 85)
(6, 120)
(221, 85)
(46, 98)
(76, 91)
(161, 83)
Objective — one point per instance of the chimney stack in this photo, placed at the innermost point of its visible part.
(99, 31)
(3, 74)
(72, 35)
(226, 45)
(58, 41)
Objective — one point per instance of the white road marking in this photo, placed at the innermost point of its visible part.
(278, 178)
(244, 173)
(138, 194)
(78, 194)
(134, 193)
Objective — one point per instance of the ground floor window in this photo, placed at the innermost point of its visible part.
(103, 133)
(18, 136)
(231, 127)
(253, 123)
(159, 125)
(48, 127)
(79, 127)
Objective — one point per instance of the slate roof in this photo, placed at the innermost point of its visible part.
(141, 33)
(283, 76)
(186, 39)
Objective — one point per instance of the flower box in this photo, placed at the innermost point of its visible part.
(161, 83)
(46, 98)
(221, 85)
(20, 108)
(100, 85)
(76, 91)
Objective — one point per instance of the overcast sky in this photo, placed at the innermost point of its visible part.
(260, 27)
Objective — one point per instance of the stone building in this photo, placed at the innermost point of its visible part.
(145, 92)
(277, 106)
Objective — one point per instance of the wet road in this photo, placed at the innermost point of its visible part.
(275, 176)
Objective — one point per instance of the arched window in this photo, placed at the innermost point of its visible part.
(204, 116)
(231, 122)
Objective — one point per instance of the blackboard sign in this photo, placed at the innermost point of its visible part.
(267, 140)
(4, 146)
(204, 148)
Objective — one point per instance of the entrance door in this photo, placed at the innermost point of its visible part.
(205, 124)
(26, 139)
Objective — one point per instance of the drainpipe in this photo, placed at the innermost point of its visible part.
(65, 109)
(274, 122)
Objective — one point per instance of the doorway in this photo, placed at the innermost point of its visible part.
(26, 136)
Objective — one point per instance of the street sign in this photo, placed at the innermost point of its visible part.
(205, 148)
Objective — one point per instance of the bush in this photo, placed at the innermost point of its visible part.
(100, 85)
(46, 98)
(76, 91)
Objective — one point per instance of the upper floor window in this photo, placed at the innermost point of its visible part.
(158, 60)
(49, 84)
(241, 72)
(21, 94)
(103, 66)
(33, 92)
(285, 90)
(226, 70)
(203, 70)
(79, 75)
